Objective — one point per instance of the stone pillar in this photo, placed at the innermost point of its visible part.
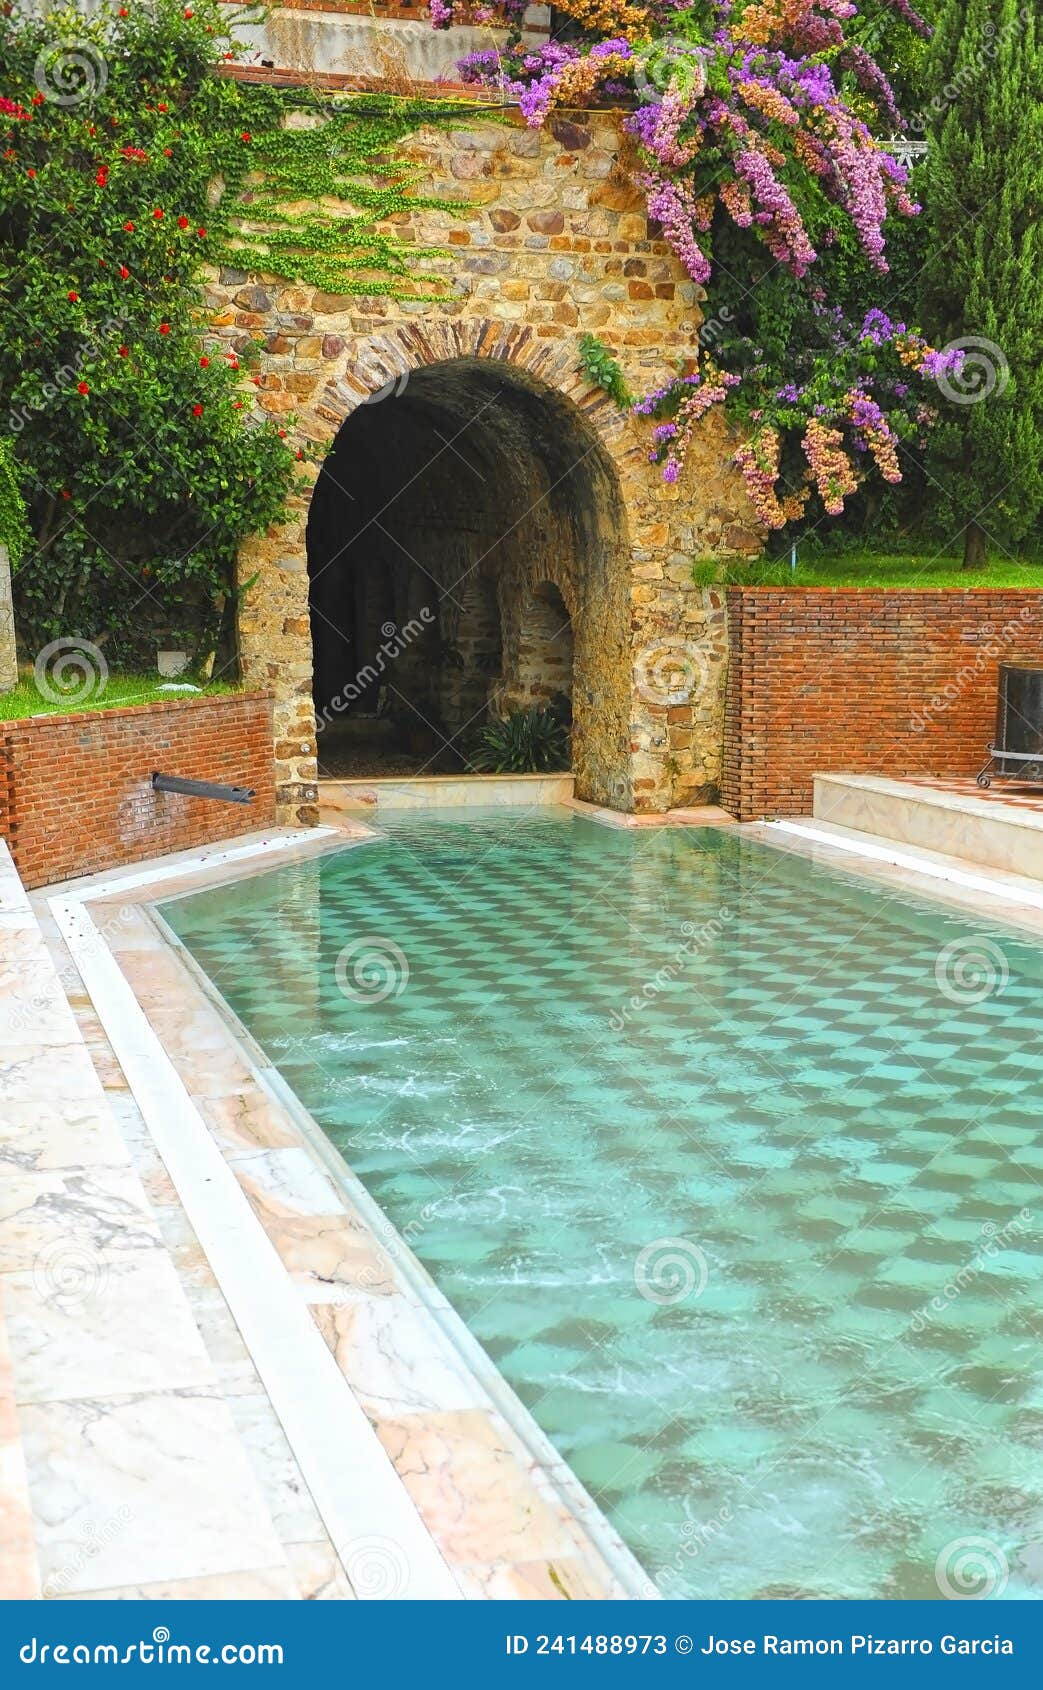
(8, 664)
(274, 634)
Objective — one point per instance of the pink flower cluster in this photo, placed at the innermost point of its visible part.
(829, 464)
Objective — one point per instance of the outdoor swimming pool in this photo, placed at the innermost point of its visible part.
(731, 1162)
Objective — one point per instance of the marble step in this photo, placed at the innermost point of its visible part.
(984, 831)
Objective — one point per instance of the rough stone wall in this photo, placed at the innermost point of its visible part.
(554, 243)
(8, 657)
(861, 682)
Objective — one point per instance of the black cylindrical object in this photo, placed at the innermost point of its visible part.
(1019, 719)
(202, 789)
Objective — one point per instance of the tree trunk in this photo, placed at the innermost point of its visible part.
(8, 663)
(975, 550)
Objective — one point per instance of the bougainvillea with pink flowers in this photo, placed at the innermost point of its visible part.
(756, 123)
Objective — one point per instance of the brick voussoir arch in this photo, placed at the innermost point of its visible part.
(380, 362)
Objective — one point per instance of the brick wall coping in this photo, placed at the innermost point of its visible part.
(883, 592)
(152, 704)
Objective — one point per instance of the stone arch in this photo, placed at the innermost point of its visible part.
(447, 478)
(328, 357)
(539, 648)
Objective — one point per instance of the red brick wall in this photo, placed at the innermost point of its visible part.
(845, 681)
(76, 794)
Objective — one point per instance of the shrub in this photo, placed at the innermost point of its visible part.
(524, 742)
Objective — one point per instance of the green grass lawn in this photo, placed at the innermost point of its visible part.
(898, 570)
(118, 692)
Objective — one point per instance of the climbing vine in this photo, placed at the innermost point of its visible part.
(136, 159)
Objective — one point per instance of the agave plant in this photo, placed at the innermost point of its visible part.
(524, 742)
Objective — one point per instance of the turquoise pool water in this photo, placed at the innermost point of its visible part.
(733, 1164)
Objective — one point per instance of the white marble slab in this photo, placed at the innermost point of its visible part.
(124, 1329)
(138, 1489)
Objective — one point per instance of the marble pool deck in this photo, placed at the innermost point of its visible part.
(225, 1374)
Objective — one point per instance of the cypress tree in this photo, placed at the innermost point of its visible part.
(983, 279)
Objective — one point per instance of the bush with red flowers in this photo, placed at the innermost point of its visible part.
(109, 158)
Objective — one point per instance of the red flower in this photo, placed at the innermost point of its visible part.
(238, 405)
(129, 228)
(124, 351)
(123, 12)
(201, 233)
(124, 272)
(167, 153)
(158, 212)
(161, 108)
(164, 328)
(188, 12)
(246, 136)
(37, 99)
(65, 493)
(204, 362)
(282, 434)
(30, 173)
(73, 298)
(182, 222)
(197, 410)
(102, 177)
(81, 387)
